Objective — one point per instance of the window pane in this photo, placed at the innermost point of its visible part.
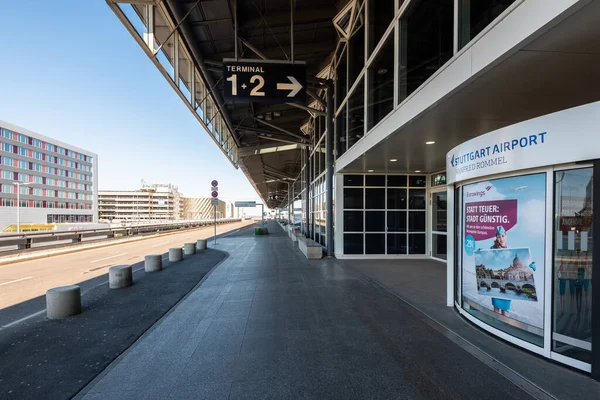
(340, 133)
(375, 243)
(416, 221)
(396, 221)
(439, 211)
(375, 199)
(353, 221)
(426, 42)
(417, 181)
(416, 244)
(375, 180)
(353, 198)
(357, 53)
(396, 244)
(396, 199)
(381, 84)
(476, 15)
(375, 221)
(573, 256)
(416, 199)
(356, 114)
(381, 13)
(353, 243)
(396, 180)
(439, 246)
(341, 75)
(353, 180)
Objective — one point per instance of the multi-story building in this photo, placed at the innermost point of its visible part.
(54, 181)
(155, 202)
(202, 208)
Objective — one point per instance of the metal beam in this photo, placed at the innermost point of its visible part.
(316, 98)
(309, 109)
(268, 148)
(281, 129)
(251, 47)
(276, 139)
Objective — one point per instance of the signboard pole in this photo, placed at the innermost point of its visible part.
(215, 208)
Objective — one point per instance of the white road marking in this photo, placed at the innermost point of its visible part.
(16, 280)
(108, 258)
(158, 245)
(24, 318)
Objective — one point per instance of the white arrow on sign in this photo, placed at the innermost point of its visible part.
(295, 86)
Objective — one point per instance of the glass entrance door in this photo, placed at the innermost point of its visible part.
(439, 212)
(572, 268)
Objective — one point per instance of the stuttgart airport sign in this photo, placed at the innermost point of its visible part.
(263, 81)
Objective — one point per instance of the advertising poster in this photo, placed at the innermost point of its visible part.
(504, 244)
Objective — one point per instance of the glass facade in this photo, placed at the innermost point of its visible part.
(572, 266)
(385, 214)
(476, 15)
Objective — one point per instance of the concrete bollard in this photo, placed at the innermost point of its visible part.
(175, 254)
(201, 244)
(63, 302)
(189, 249)
(153, 263)
(120, 276)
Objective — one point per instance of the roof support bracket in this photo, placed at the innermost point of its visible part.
(176, 27)
(280, 129)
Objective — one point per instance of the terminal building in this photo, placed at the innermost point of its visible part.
(44, 181)
(461, 132)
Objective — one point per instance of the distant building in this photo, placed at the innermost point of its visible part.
(155, 202)
(202, 208)
(58, 181)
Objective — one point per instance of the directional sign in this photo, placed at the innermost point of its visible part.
(245, 204)
(214, 183)
(214, 194)
(263, 81)
(215, 202)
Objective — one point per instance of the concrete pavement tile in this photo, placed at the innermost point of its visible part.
(261, 390)
(220, 344)
(201, 391)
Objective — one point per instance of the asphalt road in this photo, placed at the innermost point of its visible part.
(23, 285)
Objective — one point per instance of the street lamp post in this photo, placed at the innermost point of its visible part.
(19, 184)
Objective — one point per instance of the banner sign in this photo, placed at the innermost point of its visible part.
(503, 256)
(245, 204)
(263, 81)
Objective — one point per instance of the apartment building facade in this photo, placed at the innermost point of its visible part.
(54, 182)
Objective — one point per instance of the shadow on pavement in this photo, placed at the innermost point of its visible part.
(56, 359)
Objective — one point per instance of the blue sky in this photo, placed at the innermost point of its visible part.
(71, 71)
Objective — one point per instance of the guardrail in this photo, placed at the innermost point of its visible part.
(25, 241)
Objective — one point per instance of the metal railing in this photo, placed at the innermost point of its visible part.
(30, 240)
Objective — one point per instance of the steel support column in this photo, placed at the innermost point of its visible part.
(329, 168)
(307, 189)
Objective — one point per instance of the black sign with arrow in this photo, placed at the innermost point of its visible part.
(264, 81)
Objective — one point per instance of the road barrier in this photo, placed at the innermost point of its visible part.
(189, 249)
(153, 263)
(63, 302)
(26, 241)
(120, 276)
(175, 254)
(201, 244)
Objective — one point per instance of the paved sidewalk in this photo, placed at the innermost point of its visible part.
(267, 323)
